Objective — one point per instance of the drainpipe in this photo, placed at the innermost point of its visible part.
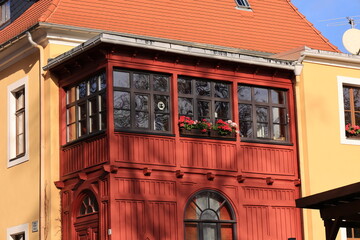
(41, 140)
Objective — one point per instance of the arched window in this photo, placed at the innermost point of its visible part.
(209, 216)
(88, 205)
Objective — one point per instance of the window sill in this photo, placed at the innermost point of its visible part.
(17, 160)
(248, 9)
(271, 142)
(84, 138)
(146, 133)
(195, 133)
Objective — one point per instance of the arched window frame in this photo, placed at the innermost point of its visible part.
(200, 222)
(88, 201)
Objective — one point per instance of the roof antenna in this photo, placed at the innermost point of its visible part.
(351, 22)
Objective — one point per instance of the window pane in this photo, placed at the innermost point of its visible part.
(347, 117)
(203, 109)
(103, 121)
(191, 231)
(227, 231)
(122, 118)
(209, 215)
(185, 106)
(245, 112)
(261, 95)
(161, 83)
(93, 106)
(225, 212)
(221, 90)
(121, 79)
(346, 94)
(71, 115)
(71, 132)
(279, 132)
(262, 114)
(184, 86)
(141, 81)
(161, 103)
(141, 103)
(162, 122)
(246, 129)
(142, 120)
(209, 231)
(357, 99)
(82, 111)
(349, 232)
(357, 118)
(82, 127)
(356, 232)
(93, 84)
(103, 102)
(202, 88)
(262, 130)
(222, 110)
(71, 95)
(277, 96)
(102, 81)
(94, 123)
(191, 212)
(20, 100)
(20, 122)
(121, 100)
(20, 144)
(82, 90)
(279, 115)
(244, 93)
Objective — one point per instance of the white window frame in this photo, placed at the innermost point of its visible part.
(23, 228)
(5, 12)
(341, 82)
(12, 89)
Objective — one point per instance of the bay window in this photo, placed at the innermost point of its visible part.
(141, 101)
(86, 107)
(204, 99)
(263, 113)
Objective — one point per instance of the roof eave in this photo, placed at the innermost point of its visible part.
(191, 49)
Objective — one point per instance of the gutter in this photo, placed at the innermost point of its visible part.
(165, 46)
(339, 57)
(41, 140)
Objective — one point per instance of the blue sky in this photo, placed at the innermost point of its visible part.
(328, 15)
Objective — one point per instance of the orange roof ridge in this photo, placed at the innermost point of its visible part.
(312, 26)
(49, 11)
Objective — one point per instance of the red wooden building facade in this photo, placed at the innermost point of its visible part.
(128, 173)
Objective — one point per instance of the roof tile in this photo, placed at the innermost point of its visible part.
(272, 26)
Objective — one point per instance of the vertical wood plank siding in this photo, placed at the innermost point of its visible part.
(84, 154)
(274, 160)
(220, 155)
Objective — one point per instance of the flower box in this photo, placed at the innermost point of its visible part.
(216, 134)
(357, 137)
(193, 132)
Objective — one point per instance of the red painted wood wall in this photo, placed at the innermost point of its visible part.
(142, 182)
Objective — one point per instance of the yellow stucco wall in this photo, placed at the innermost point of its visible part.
(325, 163)
(20, 188)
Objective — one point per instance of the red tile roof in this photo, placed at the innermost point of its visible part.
(272, 26)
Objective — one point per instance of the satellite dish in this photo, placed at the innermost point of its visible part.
(351, 40)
